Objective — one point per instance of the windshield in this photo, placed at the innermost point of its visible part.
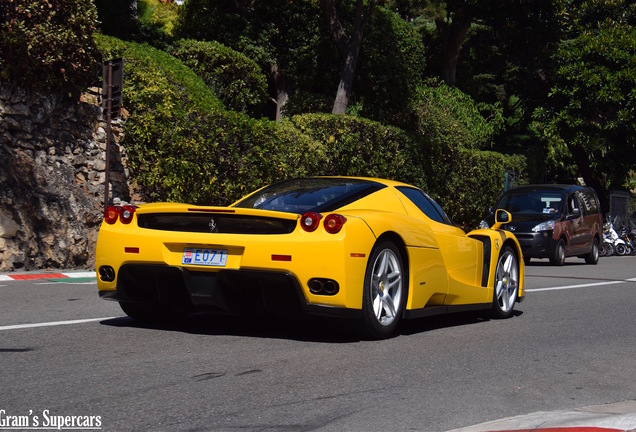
(533, 201)
(310, 194)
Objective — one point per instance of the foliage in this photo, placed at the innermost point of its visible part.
(361, 147)
(47, 45)
(592, 104)
(392, 64)
(289, 40)
(448, 116)
(183, 146)
(117, 18)
(158, 14)
(233, 77)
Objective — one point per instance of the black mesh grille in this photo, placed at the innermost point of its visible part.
(215, 223)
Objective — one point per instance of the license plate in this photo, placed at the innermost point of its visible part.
(204, 257)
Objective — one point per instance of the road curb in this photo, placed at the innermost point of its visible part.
(35, 276)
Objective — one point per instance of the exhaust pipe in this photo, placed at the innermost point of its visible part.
(323, 286)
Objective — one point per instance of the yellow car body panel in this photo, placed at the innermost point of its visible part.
(446, 267)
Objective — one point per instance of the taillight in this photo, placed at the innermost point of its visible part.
(334, 222)
(310, 221)
(126, 214)
(111, 214)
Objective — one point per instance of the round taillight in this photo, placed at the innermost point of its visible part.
(334, 222)
(111, 214)
(126, 214)
(310, 221)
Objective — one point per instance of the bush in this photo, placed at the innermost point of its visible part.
(391, 68)
(233, 77)
(446, 115)
(48, 46)
(361, 147)
(183, 146)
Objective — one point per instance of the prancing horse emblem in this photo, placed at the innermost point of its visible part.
(212, 225)
(497, 244)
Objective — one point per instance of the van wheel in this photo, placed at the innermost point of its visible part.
(558, 258)
(592, 257)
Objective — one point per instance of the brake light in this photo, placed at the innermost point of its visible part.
(111, 214)
(310, 221)
(126, 214)
(334, 222)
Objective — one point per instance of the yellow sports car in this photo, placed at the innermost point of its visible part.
(369, 249)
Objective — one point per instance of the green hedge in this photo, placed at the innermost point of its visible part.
(360, 147)
(184, 146)
(48, 46)
(237, 80)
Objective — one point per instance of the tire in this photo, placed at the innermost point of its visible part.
(152, 313)
(621, 249)
(384, 293)
(506, 287)
(592, 257)
(558, 257)
(607, 249)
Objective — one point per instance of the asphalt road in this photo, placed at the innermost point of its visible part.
(66, 354)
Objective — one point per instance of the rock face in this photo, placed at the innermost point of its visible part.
(52, 174)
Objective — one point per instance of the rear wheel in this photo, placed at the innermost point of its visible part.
(506, 283)
(592, 257)
(558, 257)
(384, 295)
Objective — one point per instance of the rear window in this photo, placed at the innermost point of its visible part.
(310, 194)
(533, 201)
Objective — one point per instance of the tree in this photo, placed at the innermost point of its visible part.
(592, 104)
(348, 46)
(289, 40)
(48, 45)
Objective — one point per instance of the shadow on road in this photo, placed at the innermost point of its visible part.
(307, 329)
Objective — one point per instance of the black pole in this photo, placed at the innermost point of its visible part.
(108, 132)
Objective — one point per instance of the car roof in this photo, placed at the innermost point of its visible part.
(566, 187)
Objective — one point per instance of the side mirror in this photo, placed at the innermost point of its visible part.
(576, 213)
(502, 217)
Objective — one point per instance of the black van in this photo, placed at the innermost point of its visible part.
(553, 221)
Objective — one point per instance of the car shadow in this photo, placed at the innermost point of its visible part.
(457, 319)
(305, 329)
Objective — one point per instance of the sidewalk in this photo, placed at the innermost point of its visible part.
(46, 275)
(616, 417)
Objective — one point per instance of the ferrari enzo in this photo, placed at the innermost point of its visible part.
(375, 251)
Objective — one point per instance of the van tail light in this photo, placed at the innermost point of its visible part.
(111, 214)
(309, 221)
(334, 222)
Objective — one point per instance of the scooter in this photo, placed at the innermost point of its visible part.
(628, 236)
(611, 236)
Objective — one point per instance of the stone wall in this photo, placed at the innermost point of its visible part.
(52, 174)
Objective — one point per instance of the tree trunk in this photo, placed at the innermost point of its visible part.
(281, 88)
(453, 36)
(349, 48)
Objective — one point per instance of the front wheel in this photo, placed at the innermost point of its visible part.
(506, 283)
(621, 249)
(558, 258)
(384, 294)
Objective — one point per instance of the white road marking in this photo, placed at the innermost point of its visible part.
(565, 287)
(53, 323)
